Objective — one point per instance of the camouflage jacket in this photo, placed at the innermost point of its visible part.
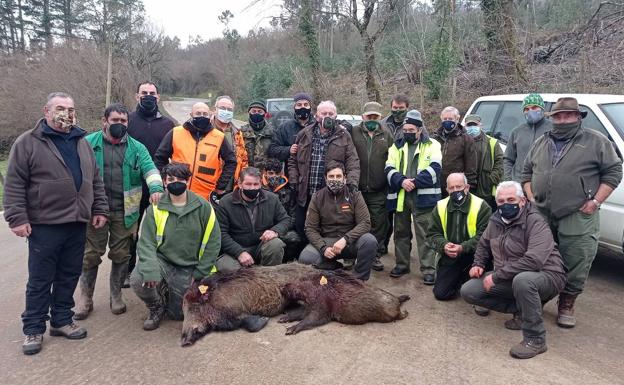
(257, 142)
(286, 196)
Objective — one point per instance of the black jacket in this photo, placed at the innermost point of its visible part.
(150, 131)
(284, 137)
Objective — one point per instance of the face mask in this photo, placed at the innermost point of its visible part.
(473, 131)
(63, 119)
(251, 193)
(509, 210)
(273, 181)
(225, 116)
(117, 130)
(256, 119)
(335, 186)
(448, 125)
(458, 196)
(410, 137)
(399, 115)
(202, 123)
(303, 113)
(149, 104)
(534, 116)
(329, 123)
(371, 125)
(176, 188)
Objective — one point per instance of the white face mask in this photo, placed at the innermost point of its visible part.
(225, 116)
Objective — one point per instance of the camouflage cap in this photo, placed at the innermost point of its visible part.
(472, 118)
(372, 108)
(533, 100)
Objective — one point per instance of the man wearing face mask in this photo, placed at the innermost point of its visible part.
(456, 224)
(52, 190)
(257, 134)
(338, 226)
(394, 122)
(458, 151)
(489, 160)
(528, 269)
(318, 144)
(222, 120)
(372, 142)
(568, 173)
(179, 243)
(205, 149)
(413, 172)
(283, 141)
(523, 136)
(252, 221)
(123, 163)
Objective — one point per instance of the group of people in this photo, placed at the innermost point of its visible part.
(507, 232)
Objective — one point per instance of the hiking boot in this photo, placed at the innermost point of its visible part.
(32, 344)
(528, 348)
(429, 279)
(119, 271)
(71, 331)
(328, 264)
(377, 265)
(86, 286)
(565, 316)
(348, 263)
(481, 311)
(515, 323)
(399, 271)
(157, 312)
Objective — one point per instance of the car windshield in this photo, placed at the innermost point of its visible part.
(615, 113)
(281, 105)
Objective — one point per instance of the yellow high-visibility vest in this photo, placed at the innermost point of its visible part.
(473, 212)
(492, 147)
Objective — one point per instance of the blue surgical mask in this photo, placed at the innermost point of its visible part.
(225, 116)
(473, 131)
(534, 116)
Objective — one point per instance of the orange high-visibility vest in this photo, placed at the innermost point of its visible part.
(242, 160)
(202, 157)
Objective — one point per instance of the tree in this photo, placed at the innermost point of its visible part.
(231, 36)
(443, 56)
(310, 40)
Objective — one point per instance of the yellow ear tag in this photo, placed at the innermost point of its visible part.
(323, 280)
(203, 289)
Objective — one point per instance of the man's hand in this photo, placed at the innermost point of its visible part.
(339, 246)
(475, 272)
(293, 148)
(329, 253)
(98, 221)
(155, 197)
(453, 250)
(488, 282)
(245, 259)
(22, 230)
(268, 235)
(150, 284)
(589, 207)
(408, 185)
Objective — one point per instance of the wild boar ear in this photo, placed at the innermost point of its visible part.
(204, 281)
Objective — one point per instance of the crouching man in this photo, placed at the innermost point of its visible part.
(528, 269)
(337, 226)
(180, 241)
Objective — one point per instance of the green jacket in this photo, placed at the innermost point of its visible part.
(457, 228)
(184, 231)
(373, 153)
(137, 165)
(489, 166)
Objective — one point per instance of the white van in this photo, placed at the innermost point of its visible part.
(605, 113)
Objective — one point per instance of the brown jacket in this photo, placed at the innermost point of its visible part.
(525, 244)
(458, 155)
(340, 148)
(333, 216)
(39, 188)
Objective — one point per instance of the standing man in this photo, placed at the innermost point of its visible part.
(317, 144)
(489, 157)
(147, 125)
(52, 190)
(222, 120)
(523, 136)
(456, 225)
(283, 142)
(372, 142)
(124, 163)
(203, 148)
(413, 171)
(257, 134)
(394, 122)
(458, 152)
(568, 173)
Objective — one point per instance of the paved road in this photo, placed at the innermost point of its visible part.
(439, 343)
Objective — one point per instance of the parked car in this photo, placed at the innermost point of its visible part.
(280, 110)
(605, 113)
(354, 120)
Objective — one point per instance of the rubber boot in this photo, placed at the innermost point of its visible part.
(118, 274)
(86, 285)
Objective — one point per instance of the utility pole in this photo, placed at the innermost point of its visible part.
(109, 73)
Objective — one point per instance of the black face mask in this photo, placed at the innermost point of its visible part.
(255, 120)
(448, 125)
(410, 137)
(251, 193)
(148, 105)
(458, 196)
(329, 123)
(117, 130)
(202, 123)
(303, 113)
(509, 210)
(176, 188)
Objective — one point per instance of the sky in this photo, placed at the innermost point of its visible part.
(182, 18)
